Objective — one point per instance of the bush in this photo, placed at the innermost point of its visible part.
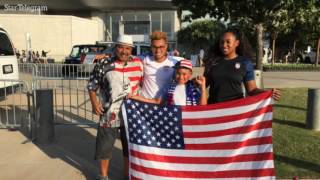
(291, 67)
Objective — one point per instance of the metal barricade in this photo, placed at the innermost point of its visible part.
(68, 82)
(15, 106)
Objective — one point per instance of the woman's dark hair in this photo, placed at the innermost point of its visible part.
(215, 54)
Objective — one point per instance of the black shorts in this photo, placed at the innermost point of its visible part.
(105, 140)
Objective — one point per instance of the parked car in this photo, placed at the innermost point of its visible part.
(140, 50)
(78, 51)
(309, 57)
(78, 54)
(93, 57)
(8, 62)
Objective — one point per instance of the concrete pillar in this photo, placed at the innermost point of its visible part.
(44, 116)
(313, 111)
(258, 78)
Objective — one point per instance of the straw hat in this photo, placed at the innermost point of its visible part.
(125, 39)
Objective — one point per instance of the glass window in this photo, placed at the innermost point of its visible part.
(75, 52)
(5, 45)
(115, 26)
(107, 21)
(167, 23)
(136, 27)
(143, 16)
(167, 15)
(128, 17)
(167, 20)
(155, 18)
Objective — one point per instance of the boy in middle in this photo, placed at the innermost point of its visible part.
(182, 91)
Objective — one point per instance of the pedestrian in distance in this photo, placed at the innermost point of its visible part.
(44, 56)
(201, 57)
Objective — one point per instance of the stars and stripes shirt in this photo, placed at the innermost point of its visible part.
(115, 80)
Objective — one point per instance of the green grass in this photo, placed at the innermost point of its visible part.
(296, 149)
(290, 67)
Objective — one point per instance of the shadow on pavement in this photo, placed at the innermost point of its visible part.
(298, 163)
(289, 107)
(75, 145)
(290, 123)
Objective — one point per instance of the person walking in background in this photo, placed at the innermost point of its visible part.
(17, 53)
(29, 56)
(115, 78)
(174, 52)
(34, 58)
(44, 56)
(37, 57)
(229, 66)
(23, 56)
(201, 57)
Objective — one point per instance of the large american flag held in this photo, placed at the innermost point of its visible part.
(231, 140)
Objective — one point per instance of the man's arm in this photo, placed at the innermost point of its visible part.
(96, 105)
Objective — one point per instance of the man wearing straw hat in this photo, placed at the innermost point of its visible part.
(115, 78)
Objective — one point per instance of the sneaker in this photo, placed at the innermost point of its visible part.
(102, 177)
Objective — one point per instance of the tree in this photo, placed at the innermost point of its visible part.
(312, 22)
(279, 22)
(255, 12)
(305, 21)
(199, 32)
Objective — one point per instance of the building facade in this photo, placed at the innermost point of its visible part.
(66, 23)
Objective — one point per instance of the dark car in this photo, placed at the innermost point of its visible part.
(140, 50)
(78, 54)
(78, 51)
(94, 56)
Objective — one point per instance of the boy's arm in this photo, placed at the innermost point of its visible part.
(201, 80)
(143, 99)
(203, 97)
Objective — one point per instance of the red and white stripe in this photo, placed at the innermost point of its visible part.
(186, 63)
(133, 70)
(231, 140)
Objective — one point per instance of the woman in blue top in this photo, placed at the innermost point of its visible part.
(228, 66)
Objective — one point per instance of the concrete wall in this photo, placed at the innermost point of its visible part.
(50, 32)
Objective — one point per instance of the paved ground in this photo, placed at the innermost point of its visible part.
(291, 79)
(71, 155)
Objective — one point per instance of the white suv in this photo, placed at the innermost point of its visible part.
(8, 61)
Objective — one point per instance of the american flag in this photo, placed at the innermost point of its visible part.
(231, 140)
